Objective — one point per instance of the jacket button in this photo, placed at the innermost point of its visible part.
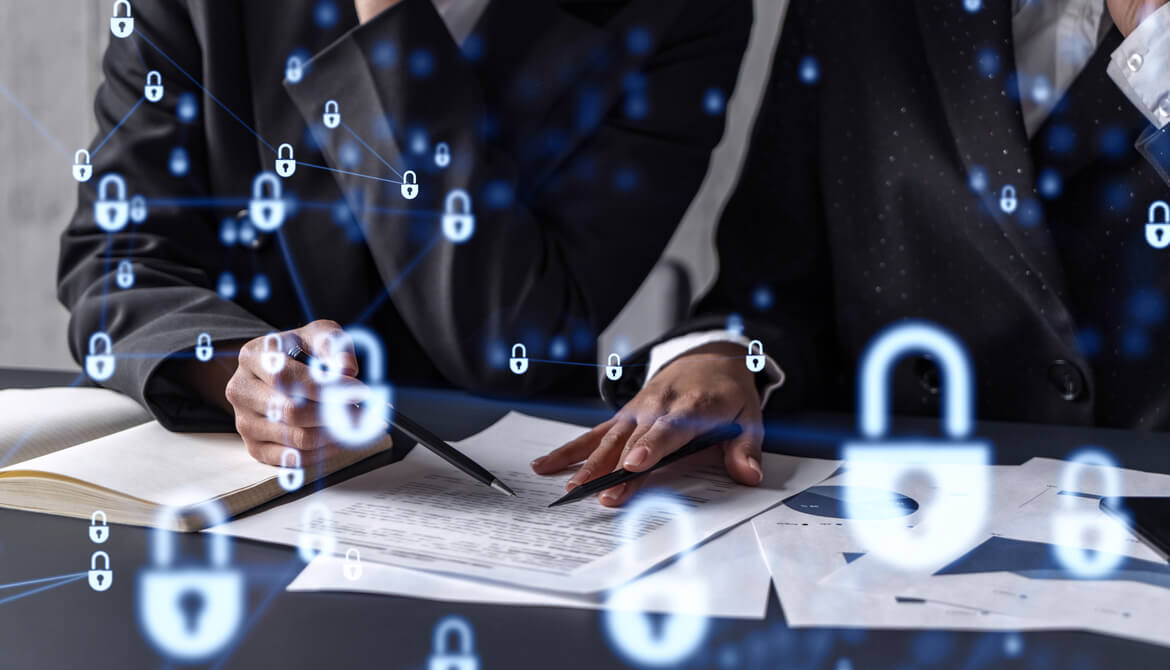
(927, 373)
(1067, 379)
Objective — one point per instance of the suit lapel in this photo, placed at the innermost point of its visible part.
(985, 118)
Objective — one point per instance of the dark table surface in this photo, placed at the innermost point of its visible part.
(53, 625)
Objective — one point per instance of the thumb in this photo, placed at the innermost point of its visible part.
(741, 457)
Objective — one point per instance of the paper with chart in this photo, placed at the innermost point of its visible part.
(422, 513)
(731, 565)
(1018, 571)
(810, 536)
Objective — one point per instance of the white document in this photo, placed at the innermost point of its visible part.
(35, 422)
(731, 565)
(422, 513)
(809, 537)
(1017, 570)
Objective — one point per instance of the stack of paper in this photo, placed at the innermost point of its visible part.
(1009, 576)
(424, 529)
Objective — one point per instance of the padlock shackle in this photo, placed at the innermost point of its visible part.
(755, 348)
(1007, 191)
(273, 337)
(103, 338)
(458, 197)
(357, 555)
(332, 107)
(162, 545)
(203, 340)
(1095, 457)
(122, 3)
(105, 560)
(902, 339)
(153, 75)
(1155, 207)
(453, 624)
(365, 339)
(410, 177)
(93, 517)
(280, 152)
(262, 179)
(104, 186)
(77, 157)
(523, 351)
(614, 360)
(296, 458)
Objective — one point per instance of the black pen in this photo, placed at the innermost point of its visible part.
(708, 439)
(429, 440)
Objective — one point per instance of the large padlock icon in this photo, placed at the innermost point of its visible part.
(111, 211)
(1007, 199)
(138, 209)
(442, 155)
(613, 368)
(1158, 228)
(409, 185)
(294, 70)
(122, 26)
(332, 116)
(285, 166)
(353, 564)
(275, 410)
(82, 169)
(272, 357)
(154, 86)
(325, 368)
(124, 276)
(1073, 528)
(100, 365)
(943, 528)
(103, 579)
(313, 542)
(291, 475)
(338, 400)
(203, 349)
(190, 613)
(458, 220)
(519, 360)
(266, 210)
(681, 631)
(459, 655)
(755, 356)
(98, 534)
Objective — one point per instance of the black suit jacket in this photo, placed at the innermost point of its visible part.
(872, 195)
(579, 128)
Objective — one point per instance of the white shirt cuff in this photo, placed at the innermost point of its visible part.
(663, 354)
(1141, 67)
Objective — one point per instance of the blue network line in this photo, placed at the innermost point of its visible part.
(42, 580)
(352, 174)
(370, 149)
(294, 566)
(36, 124)
(119, 126)
(43, 588)
(207, 92)
(199, 203)
(369, 311)
(296, 279)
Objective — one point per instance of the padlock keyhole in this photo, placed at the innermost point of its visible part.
(100, 578)
(191, 604)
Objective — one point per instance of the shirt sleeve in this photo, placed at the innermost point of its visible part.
(661, 355)
(1141, 67)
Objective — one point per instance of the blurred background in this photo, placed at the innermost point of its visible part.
(50, 57)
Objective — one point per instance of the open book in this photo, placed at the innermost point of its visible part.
(71, 451)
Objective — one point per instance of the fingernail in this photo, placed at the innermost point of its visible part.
(755, 465)
(614, 494)
(577, 478)
(636, 457)
(537, 461)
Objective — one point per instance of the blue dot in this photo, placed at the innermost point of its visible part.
(325, 14)
(590, 107)
(1030, 214)
(762, 298)
(247, 233)
(1113, 141)
(809, 70)
(977, 179)
(384, 54)
(625, 179)
(1041, 89)
(734, 323)
(1050, 183)
(637, 107)
(558, 348)
(226, 286)
(310, 139)
(1089, 340)
(498, 194)
(179, 163)
(987, 62)
(473, 47)
(634, 82)
(1135, 343)
(422, 63)
(420, 142)
(584, 339)
(488, 126)
(1147, 307)
(1062, 139)
(229, 232)
(639, 41)
(349, 155)
(261, 290)
(188, 108)
(384, 128)
(972, 6)
(713, 102)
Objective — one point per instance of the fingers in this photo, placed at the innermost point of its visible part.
(329, 342)
(742, 456)
(572, 452)
(604, 458)
(257, 428)
(250, 394)
(271, 453)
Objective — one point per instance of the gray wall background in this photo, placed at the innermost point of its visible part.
(50, 52)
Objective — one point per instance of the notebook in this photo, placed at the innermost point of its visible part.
(71, 451)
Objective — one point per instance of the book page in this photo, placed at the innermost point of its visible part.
(423, 513)
(35, 422)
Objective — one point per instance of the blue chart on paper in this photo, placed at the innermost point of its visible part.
(869, 504)
(1035, 560)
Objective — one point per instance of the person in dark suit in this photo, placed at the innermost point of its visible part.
(902, 168)
(574, 134)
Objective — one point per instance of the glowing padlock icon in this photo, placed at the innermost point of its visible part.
(285, 166)
(272, 357)
(100, 366)
(457, 655)
(203, 349)
(332, 116)
(458, 219)
(442, 155)
(98, 534)
(409, 185)
(122, 26)
(943, 528)
(1158, 227)
(266, 210)
(613, 369)
(353, 564)
(82, 169)
(338, 399)
(138, 209)
(1007, 199)
(154, 86)
(103, 579)
(111, 210)
(755, 356)
(1073, 528)
(294, 70)
(519, 360)
(292, 475)
(316, 539)
(124, 276)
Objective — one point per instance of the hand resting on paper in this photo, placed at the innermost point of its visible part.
(280, 409)
(706, 388)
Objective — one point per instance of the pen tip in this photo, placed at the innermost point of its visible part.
(503, 488)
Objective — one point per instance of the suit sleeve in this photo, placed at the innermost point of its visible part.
(773, 256)
(173, 297)
(570, 217)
